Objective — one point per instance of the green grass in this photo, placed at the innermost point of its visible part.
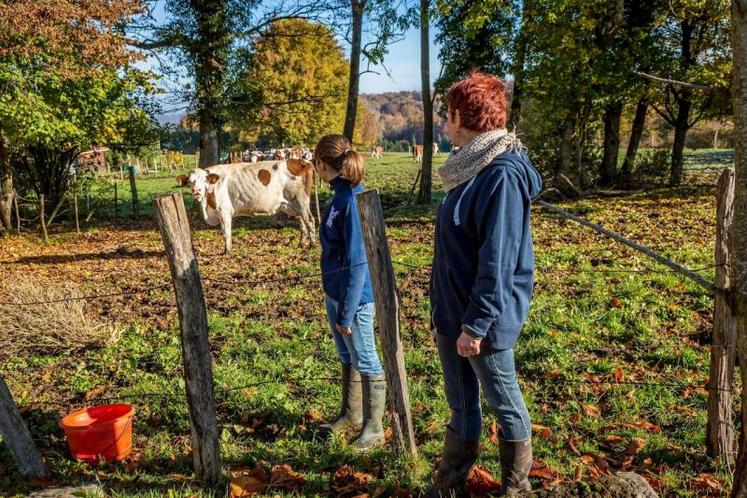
(273, 355)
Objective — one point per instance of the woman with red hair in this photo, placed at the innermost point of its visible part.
(481, 284)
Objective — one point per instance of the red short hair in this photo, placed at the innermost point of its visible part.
(480, 99)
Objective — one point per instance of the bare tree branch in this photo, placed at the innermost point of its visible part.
(657, 79)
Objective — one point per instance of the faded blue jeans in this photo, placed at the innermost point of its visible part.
(359, 348)
(496, 373)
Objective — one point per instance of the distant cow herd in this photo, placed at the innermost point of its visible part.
(256, 182)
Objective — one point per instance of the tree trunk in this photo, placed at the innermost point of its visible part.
(608, 170)
(739, 227)
(6, 184)
(424, 194)
(681, 126)
(639, 123)
(210, 54)
(566, 148)
(355, 68)
(518, 70)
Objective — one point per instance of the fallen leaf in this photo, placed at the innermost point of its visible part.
(493, 432)
(573, 445)
(591, 410)
(314, 415)
(616, 303)
(705, 482)
(480, 482)
(542, 471)
(245, 486)
(94, 393)
(614, 439)
(576, 418)
(349, 482)
(541, 431)
(619, 375)
(283, 476)
(634, 446)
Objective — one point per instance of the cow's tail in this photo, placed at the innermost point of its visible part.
(317, 181)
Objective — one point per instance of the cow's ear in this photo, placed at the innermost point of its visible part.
(181, 180)
(213, 178)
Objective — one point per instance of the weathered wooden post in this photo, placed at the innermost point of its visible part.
(17, 438)
(75, 205)
(133, 189)
(115, 199)
(387, 312)
(198, 371)
(720, 433)
(18, 212)
(42, 218)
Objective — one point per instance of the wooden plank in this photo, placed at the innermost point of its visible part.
(42, 218)
(720, 432)
(133, 189)
(645, 250)
(198, 372)
(77, 218)
(387, 315)
(17, 438)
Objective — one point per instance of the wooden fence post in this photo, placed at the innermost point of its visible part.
(42, 218)
(115, 199)
(133, 189)
(75, 205)
(16, 436)
(198, 372)
(18, 212)
(720, 432)
(387, 312)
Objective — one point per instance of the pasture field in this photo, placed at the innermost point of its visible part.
(612, 361)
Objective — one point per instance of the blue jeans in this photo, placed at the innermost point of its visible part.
(496, 373)
(359, 348)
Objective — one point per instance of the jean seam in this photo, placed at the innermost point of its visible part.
(510, 399)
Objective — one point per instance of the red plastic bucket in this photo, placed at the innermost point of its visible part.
(100, 432)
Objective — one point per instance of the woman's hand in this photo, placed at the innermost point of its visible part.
(344, 330)
(468, 345)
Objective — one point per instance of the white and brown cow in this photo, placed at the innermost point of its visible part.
(247, 189)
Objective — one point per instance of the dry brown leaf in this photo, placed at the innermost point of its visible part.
(705, 482)
(283, 476)
(619, 375)
(245, 486)
(573, 445)
(576, 418)
(616, 303)
(493, 432)
(614, 439)
(634, 446)
(542, 471)
(347, 481)
(480, 482)
(541, 431)
(591, 410)
(94, 393)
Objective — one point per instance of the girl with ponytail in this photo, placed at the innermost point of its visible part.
(349, 296)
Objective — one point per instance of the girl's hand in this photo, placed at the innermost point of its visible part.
(468, 345)
(344, 330)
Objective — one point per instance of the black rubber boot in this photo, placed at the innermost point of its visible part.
(516, 462)
(351, 411)
(374, 402)
(458, 457)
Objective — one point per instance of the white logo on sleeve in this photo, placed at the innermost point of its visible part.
(332, 215)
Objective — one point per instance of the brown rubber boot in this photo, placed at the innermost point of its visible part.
(516, 462)
(458, 457)
(374, 403)
(351, 411)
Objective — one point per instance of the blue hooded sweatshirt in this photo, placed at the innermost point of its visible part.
(483, 263)
(345, 275)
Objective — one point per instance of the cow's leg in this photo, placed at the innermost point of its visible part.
(308, 228)
(225, 225)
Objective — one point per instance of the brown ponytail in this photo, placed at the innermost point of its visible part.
(337, 152)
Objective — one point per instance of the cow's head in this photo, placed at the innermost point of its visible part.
(200, 181)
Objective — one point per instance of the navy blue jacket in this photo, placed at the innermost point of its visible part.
(345, 275)
(483, 263)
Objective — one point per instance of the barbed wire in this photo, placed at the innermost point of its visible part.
(218, 391)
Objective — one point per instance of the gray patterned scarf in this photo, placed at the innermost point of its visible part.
(465, 163)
